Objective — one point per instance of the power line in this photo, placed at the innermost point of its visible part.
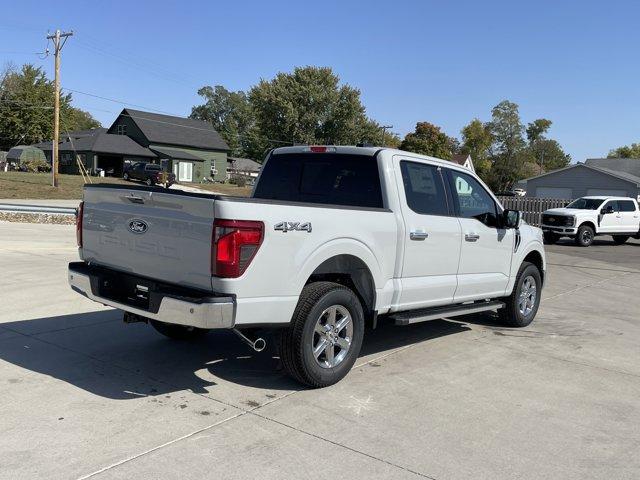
(117, 101)
(143, 63)
(14, 52)
(153, 71)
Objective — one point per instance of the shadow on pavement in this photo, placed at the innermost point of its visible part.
(98, 353)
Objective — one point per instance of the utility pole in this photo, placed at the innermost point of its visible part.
(384, 129)
(59, 39)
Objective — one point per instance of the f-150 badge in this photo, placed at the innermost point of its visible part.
(293, 226)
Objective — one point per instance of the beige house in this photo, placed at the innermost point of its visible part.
(463, 159)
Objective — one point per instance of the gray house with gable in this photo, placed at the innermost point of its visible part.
(597, 176)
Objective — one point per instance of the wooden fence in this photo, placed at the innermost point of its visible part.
(531, 207)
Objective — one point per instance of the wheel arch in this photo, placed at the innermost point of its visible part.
(535, 257)
(352, 272)
(588, 223)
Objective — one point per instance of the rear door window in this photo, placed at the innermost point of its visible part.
(424, 188)
(325, 178)
(627, 206)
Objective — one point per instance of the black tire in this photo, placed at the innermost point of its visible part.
(297, 341)
(551, 238)
(585, 236)
(149, 182)
(620, 239)
(511, 314)
(178, 332)
(125, 176)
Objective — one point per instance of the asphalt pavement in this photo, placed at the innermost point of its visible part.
(86, 396)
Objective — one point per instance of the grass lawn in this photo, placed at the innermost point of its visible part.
(225, 189)
(23, 185)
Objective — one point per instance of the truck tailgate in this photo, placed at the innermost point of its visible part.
(155, 233)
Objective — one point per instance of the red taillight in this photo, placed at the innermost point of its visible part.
(320, 149)
(235, 243)
(79, 215)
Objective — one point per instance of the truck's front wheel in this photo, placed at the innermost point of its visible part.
(178, 332)
(585, 236)
(325, 336)
(522, 305)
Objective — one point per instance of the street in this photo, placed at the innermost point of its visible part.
(86, 396)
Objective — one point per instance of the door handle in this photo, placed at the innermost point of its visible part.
(471, 237)
(418, 235)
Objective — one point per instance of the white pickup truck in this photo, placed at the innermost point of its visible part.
(587, 217)
(331, 239)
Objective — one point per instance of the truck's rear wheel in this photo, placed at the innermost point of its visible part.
(522, 305)
(325, 336)
(585, 235)
(620, 239)
(178, 332)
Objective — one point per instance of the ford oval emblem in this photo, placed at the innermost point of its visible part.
(138, 226)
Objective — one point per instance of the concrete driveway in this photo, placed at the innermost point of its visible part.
(84, 395)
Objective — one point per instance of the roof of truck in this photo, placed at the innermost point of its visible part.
(355, 150)
(605, 197)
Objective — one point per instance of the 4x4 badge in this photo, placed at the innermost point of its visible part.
(293, 226)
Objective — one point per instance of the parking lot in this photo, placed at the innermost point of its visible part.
(85, 395)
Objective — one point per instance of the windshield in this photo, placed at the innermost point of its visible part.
(586, 203)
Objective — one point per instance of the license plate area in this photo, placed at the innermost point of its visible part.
(131, 291)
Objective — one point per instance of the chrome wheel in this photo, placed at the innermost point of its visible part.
(587, 236)
(332, 336)
(528, 296)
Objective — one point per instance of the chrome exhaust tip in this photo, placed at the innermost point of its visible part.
(258, 345)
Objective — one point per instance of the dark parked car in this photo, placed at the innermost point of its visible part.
(149, 173)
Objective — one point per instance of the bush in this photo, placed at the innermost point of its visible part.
(37, 165)
(238, 180)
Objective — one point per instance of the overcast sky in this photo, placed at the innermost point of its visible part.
(574, 62)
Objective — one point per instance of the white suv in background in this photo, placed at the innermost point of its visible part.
(587, 217)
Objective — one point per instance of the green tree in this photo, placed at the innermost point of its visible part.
(26, 108)
(310, 106)
(508, 145)
(627, 151)
(477, 141)
(537, 129)
(428, 139)
(548, 155)
(230, 113)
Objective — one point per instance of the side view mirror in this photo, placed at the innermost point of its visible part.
(511, 218)
(608, 209)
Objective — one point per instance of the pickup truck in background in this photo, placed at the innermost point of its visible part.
(587, 217)
(149, 173)
(331, 238)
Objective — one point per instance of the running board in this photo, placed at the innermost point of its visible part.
(434, 313)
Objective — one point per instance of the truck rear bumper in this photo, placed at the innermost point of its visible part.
(150, 299)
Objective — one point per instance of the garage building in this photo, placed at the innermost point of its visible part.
(582, 179)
